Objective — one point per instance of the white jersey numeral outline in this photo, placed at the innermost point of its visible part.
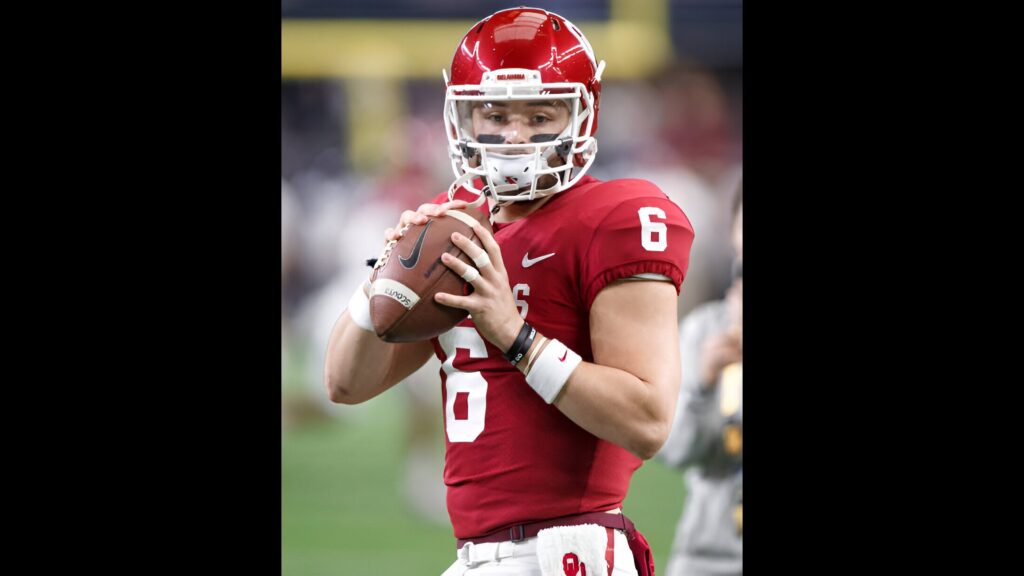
(522, 304)
(471, 383)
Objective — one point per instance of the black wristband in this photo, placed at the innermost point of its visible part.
(522, 344)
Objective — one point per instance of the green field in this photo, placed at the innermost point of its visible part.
(343, 511)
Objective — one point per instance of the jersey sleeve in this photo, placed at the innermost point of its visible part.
(640, 235)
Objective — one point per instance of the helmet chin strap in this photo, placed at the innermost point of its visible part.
(487, 192)
(458, 184)
(480, 197)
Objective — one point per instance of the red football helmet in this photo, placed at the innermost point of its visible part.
(522, 54)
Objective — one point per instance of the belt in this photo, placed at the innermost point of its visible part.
(518, 532)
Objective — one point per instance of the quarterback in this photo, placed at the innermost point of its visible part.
(565, 375)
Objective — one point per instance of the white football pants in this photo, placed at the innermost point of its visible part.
(520, 559)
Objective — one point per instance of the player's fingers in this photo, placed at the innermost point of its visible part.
(428, 209)
(454, 301)
(396, 233)
(451, 205)
(438, 210)
(471, 275)
(412, 217)
(407, 219)
(467, 272)
(477, 254)
(491, 245)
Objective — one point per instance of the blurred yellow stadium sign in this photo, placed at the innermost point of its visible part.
(634, 41)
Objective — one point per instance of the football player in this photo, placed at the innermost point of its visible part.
(565, 376)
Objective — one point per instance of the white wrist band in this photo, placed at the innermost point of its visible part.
(552, 369)
(359, 310)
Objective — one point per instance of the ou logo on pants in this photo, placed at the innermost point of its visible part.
(571, 565)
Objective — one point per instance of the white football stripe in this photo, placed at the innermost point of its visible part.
(394, 290)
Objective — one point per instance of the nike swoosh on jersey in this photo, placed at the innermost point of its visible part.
(413, 258)
(527, 262)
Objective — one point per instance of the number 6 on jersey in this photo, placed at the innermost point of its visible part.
(648, 229)
(466, 392)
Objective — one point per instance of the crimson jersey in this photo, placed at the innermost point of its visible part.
(510, 457)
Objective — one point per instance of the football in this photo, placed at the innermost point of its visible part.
(409, 273)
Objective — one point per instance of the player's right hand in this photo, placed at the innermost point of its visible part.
(420, 216)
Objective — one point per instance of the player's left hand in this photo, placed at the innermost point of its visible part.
(491, 304)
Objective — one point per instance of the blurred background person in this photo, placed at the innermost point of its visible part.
(707, 435)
